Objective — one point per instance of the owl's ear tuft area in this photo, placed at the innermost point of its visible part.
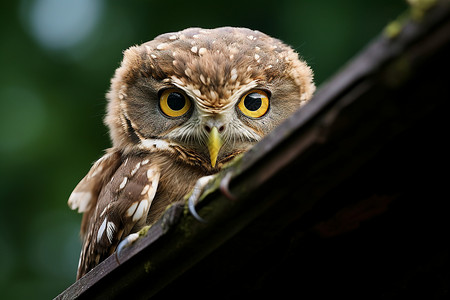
(131, 65)
(303, 76)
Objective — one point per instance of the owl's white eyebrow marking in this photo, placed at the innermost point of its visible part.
(197, 92)
(145, 161)
(101, 230)
(176, 80)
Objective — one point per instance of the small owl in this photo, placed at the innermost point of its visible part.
(179, 108)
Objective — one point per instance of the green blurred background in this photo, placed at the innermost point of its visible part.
(56, 61)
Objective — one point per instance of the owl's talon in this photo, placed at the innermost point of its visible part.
(125, 243)
(194, 213)
(197, 191)
(224, 186)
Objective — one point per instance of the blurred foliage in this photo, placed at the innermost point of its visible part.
(57, 57)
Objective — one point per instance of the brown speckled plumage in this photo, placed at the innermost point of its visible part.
(157, 158)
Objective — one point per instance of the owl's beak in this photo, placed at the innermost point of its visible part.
(214, 144)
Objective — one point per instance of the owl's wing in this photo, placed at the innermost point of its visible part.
(121, 201)
(85, 195)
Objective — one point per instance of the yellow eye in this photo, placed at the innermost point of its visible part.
(254, 104)
(174, 103)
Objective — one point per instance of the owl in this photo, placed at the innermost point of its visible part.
(179, 108)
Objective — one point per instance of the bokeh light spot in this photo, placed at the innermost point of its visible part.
(61, 24)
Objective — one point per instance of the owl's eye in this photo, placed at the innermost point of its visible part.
(174, 103)
(254, 104)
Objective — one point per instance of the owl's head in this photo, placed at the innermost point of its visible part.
(211, 93)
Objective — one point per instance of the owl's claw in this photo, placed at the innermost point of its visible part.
(224, 186)
(197, 191)
(125, 243)
(191, 205)
(199, 188)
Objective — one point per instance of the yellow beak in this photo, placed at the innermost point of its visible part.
(214, 145)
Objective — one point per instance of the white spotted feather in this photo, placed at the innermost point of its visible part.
(119, 199)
